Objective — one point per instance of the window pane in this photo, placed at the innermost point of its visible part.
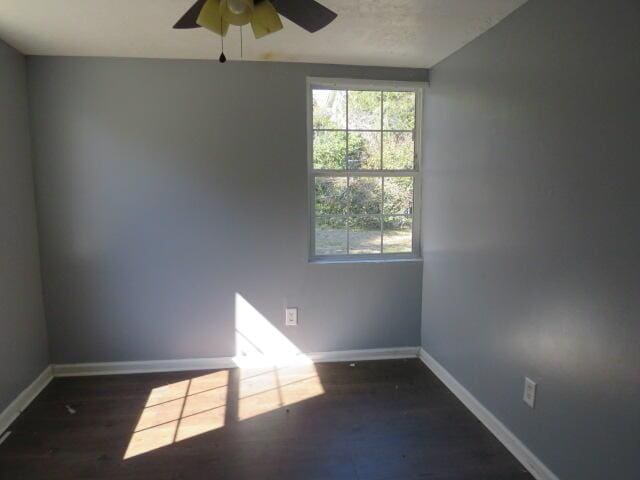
(397, 234)
(398, 151)
(399, 110)
(364, 110)
(366, 195)
(331, 196)
(331, 236)
(329, 109)
(364, 235)
(329, 150)
(398, 195)
(364, 151)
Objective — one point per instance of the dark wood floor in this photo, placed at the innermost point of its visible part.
(384, 420)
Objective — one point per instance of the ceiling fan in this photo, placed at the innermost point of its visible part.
(263, 15)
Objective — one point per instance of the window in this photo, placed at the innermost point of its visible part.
(364, 169)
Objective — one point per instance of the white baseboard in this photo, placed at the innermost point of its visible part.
(113, 368)
(22, 401)
(532, 463)
(364, 355)
(145, 366)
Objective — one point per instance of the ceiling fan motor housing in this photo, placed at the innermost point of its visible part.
(236, 12)
(238, 7)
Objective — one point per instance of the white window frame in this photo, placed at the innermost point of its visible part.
(378, 85)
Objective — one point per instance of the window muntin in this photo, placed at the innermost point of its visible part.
(364, 169)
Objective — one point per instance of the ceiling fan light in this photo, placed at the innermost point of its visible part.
(228, 9)
(236, 7)
(265, 19)
(211, 19)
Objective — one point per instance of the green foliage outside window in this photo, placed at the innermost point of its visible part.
(363, 131)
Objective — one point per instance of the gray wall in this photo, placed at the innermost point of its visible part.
(532, 231)
(23, 340)
(165, 187)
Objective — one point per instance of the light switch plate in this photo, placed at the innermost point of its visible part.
(291, 317)
(529, 396)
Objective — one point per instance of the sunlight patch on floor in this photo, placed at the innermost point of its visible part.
(180, 410)
(264, 390)
(272, 374)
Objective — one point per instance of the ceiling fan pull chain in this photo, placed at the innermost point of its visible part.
(222, 58)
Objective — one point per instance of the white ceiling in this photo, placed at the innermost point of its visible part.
(403, 33)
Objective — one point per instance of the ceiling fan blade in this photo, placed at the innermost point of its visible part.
(309, 14)
(211, 19)
(265, 19)
(188, 20)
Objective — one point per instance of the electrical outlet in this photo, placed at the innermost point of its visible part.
(529, 396)
(291, 317)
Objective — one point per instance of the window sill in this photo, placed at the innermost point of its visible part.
(351, 260)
